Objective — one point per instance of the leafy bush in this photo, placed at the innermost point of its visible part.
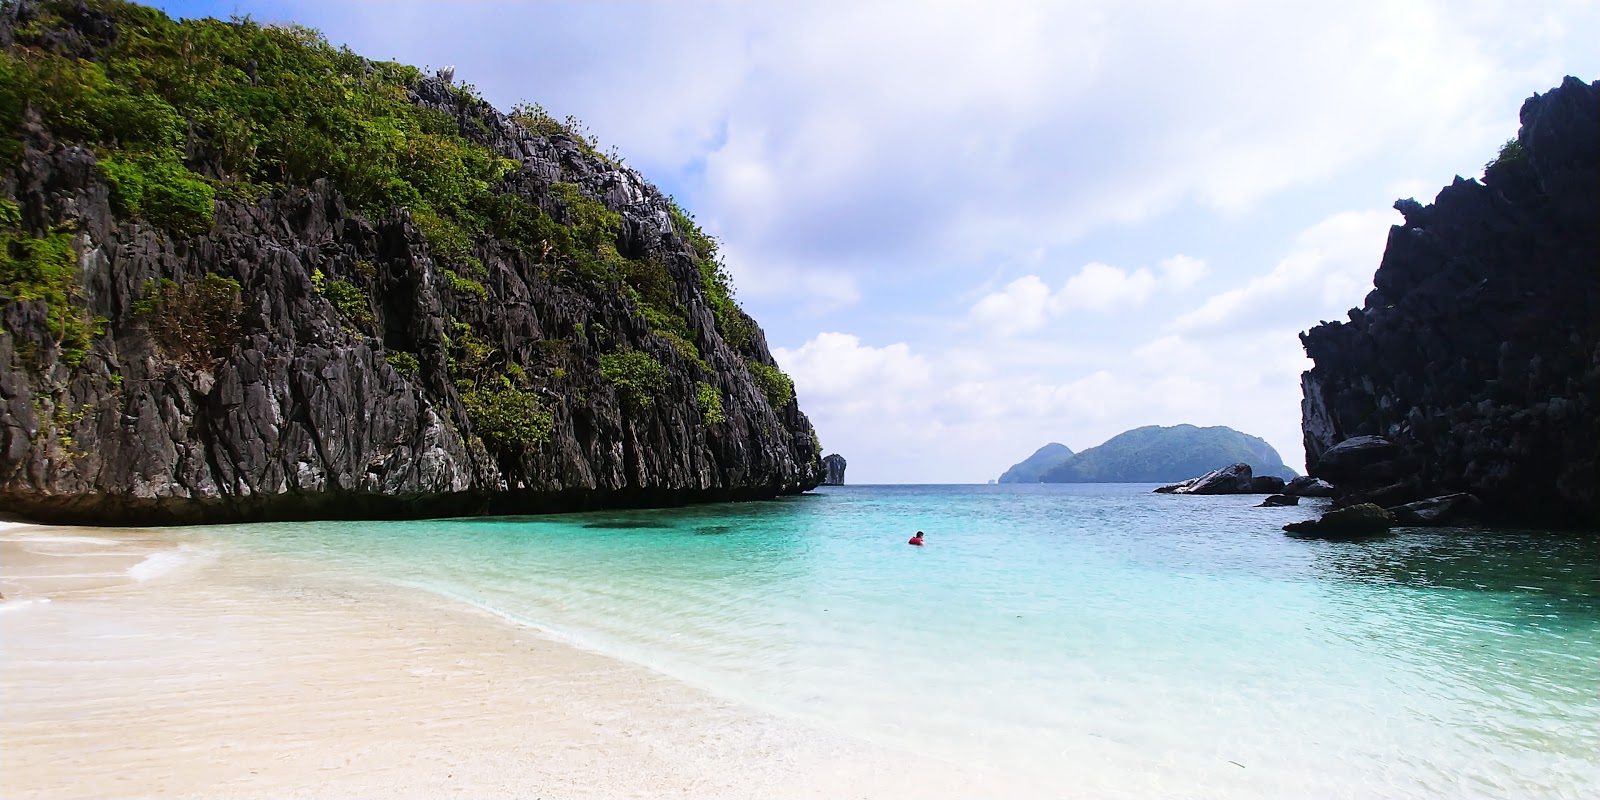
(404, 363)
(196, 323)
(710, 402)
(536, 119)
(351, 302)
(470, 355)
(448, 242)
(734, 325)
(778, 387)
(462, 285)
(637, 376)
(257, 105)
(685, 348)
(1511, 151)
(508, 420)
(45, 269)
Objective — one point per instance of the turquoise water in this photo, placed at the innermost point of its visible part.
(1096, 639)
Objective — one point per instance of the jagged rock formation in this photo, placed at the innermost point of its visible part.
(284, 351)
(1476, 358)
(833, 470)
(1030, 469)
(1153, 454)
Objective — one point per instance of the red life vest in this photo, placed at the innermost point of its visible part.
(916, 540)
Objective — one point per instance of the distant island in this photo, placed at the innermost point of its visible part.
(1033, 468)
(1151, 454)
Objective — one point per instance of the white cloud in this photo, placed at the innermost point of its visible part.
(1329, 269)
(837, 369)
(1023, 305)
(898, 134)
(886, 157)
(1028, 303)
(1181, 271)
(1101, 287)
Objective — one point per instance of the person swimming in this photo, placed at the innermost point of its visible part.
(916, 540)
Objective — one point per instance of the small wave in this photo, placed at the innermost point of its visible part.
(552, 633)
(156, 565)
(55, 539)
(18, 605)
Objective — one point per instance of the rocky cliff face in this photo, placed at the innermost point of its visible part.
(1477, 354)
(354, 370)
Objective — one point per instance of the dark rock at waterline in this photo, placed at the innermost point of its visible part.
(1443, 510)
(1307, 486)
(1346, 523)
(1266, 484)
(1386, 496)
(833, 470)
(1477, 356)
(1232, 479)
(1357, 458)
(1280, 500)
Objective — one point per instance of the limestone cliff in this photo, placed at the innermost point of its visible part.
(250, 276)
(1477, 354)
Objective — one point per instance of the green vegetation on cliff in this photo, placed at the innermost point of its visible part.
(182, 114)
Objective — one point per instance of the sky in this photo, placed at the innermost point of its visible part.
(969, 229)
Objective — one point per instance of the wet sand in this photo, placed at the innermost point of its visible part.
(155, 663)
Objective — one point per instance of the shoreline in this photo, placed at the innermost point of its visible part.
(156, 662)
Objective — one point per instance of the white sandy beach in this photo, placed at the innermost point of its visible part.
(152, 663)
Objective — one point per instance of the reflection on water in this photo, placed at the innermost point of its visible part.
(1128, 633)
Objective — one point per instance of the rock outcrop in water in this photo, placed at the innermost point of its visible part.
(1357, 521)
(388, 300)
(833, 470)
(1474, 364)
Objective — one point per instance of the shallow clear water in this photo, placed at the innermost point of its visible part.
(1098, 639)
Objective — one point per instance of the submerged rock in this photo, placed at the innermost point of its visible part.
(1345, 523)
(833, 470)
(1280, 500)
(1442, 510)
(1266, 484)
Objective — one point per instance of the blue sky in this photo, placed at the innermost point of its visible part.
(970, 229)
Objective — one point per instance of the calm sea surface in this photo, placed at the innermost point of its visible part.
(1098, 639)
